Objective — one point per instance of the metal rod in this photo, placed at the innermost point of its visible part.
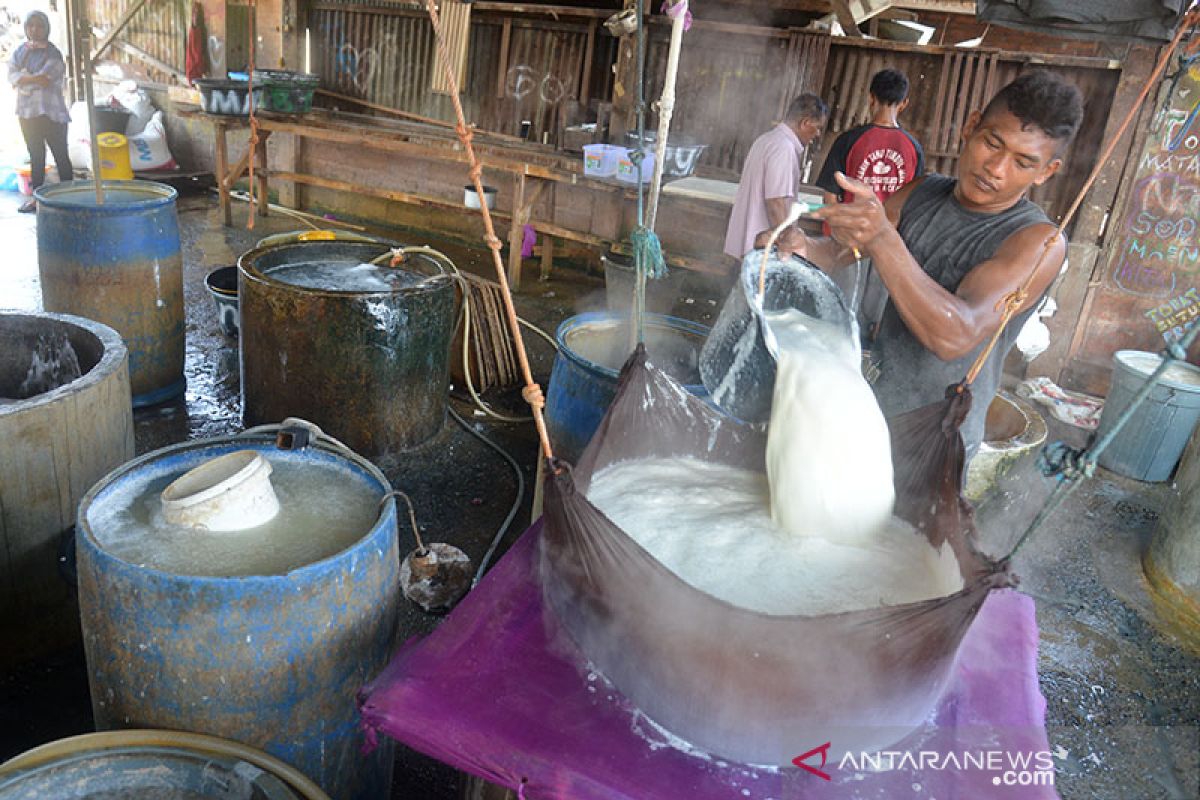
(1085, 464)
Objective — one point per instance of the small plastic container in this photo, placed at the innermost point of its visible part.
(627, 171)
(600, 160)
(25, 180)
(285, 91)
(228, 493)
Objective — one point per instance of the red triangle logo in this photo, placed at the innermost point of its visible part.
(824, 751)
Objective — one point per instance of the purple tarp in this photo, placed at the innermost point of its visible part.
(494, 693)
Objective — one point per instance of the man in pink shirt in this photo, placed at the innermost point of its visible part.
(771, 174)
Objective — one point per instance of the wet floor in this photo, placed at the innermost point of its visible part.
(1123, 698)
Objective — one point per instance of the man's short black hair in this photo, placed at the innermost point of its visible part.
(1043, 99)
(889, 86)
(807, 106)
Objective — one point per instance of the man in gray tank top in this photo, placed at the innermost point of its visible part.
(949, 250)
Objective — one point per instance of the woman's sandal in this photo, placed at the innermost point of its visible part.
(28, 207)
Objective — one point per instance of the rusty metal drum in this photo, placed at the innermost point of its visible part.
(325, 338)
(119, 263)
(272, 657)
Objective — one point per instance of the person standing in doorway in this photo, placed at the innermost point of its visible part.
(771, 173)
(36, 70)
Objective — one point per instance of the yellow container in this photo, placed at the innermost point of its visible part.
(114, 157)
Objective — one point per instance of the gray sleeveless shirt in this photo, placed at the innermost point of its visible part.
(947, 241)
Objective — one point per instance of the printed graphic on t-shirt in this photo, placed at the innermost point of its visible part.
(884, 170)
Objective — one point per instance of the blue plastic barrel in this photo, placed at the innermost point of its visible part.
(1150, 444)
(272, 661)
(592, 347)
(119, 263)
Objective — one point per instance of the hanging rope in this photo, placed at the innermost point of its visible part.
(1013, 301)
(532, 393)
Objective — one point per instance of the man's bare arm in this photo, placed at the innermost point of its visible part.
(948, 324)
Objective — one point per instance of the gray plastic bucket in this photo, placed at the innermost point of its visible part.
(737, 364)
(1150, 444)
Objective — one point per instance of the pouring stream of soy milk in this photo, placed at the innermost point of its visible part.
(829, 458)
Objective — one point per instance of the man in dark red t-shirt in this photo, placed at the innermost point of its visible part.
(882, 155)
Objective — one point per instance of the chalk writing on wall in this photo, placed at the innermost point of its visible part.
(522, 80)
(359, 65)
(1175, 317)
(1160, 246)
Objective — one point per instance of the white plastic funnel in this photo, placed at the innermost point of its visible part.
(229, 493)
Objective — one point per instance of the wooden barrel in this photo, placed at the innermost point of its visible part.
(65, 421)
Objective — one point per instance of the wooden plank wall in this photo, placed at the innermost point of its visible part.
(159, 29)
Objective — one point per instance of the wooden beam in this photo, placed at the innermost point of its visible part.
(942, 6)
(116, 29)
(149, 60)
(552, 11)
(845, 18)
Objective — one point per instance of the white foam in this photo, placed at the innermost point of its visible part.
(710, 524)
(323, 510)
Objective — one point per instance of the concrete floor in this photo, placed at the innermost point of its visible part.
(1123, 702)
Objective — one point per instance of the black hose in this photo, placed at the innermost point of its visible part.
(512, 513)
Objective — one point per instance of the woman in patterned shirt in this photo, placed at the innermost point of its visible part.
(36, 70)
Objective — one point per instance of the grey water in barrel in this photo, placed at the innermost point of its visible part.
(50, 362)
(344, 276)
(737, 363)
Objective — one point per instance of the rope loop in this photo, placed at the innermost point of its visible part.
(1012, 302)
(532, 394)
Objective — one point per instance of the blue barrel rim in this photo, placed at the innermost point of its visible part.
(247, 266)
(114, 351)
(84, 529)
(162, 394)
(56, 195)
(650, 319)
(1120, 362)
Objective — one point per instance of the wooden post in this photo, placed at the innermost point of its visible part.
(222, 166)
(520, 215)
(624, 98)
(261, 174)
(547, 257)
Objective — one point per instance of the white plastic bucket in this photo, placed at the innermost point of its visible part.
(229, 493)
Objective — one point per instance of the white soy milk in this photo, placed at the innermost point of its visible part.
(711, 525)
(815, 534)
(829, 454)
(323, 510)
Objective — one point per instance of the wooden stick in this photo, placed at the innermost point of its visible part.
(407, 115)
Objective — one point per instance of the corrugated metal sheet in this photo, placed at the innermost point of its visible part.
(455, 21)
(732, 85)
(516, 69)
(158, 29)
